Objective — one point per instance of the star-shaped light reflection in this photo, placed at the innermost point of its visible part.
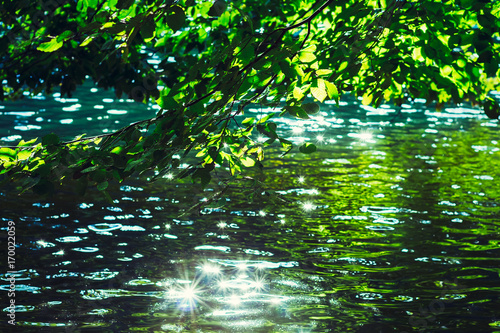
(188, 296)
(308, 206)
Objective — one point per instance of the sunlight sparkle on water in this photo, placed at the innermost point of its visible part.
(210, 269)
(234, 300)
(301, 179)
(188, 296)
(58, 253)
(297, 130)
(258, 284)
(308, 206)
(365, 135)
(276, 300)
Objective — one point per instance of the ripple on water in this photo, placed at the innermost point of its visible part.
(105, 227)
(69, 239)
(132, 228)
(100, 312)
(21, 275)
(140, 282)
(22, 308)
(379, 228)
(389, 220)
(22, 287)
(87, 249)
(379, 210)
(213, 248)
(101, 275)
(369, 296)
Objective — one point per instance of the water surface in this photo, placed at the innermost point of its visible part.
(392, 226)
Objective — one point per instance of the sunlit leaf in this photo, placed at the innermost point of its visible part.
(332, 91)
(319, 92)
(23, 155)
(7, 154)
(247, 161)
(297, 93)
(367, 99)
(51, 46)
(307, 57)
(321, 72)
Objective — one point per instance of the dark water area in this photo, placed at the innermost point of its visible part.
(392, 226)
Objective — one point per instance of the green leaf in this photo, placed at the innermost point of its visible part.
(491, 109)
(332, 91)
(311, 108)
(50, 46)
(298, 94)
(248, 53)
(117, 150)
(367, 99)
(248, 121)
(87, 40)
(176, 18)
(321, 72)
(124, 4)
(296, 111)
(307, 57)
(167, 102)
(65, 36)
(148, 29)
(217, 8)
(23, 143)
(90, 169)
(247, 161)
(50, 139)
(7, 154)
(102, 186)
(266, 118)
(23, 155)
(287, 69)
(307, 148)
(319, 92)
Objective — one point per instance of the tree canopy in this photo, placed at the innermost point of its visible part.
(203, 62)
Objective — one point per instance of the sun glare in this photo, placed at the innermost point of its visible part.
(297, 130)
(188, 295)
(365, 135)
(308, 206)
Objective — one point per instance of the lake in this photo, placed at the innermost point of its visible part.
(391, 226)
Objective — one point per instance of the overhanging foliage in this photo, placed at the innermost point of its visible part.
(215, 58)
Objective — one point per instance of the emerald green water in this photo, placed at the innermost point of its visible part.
(392, 226)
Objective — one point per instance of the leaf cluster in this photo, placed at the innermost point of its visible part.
(204, 62)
